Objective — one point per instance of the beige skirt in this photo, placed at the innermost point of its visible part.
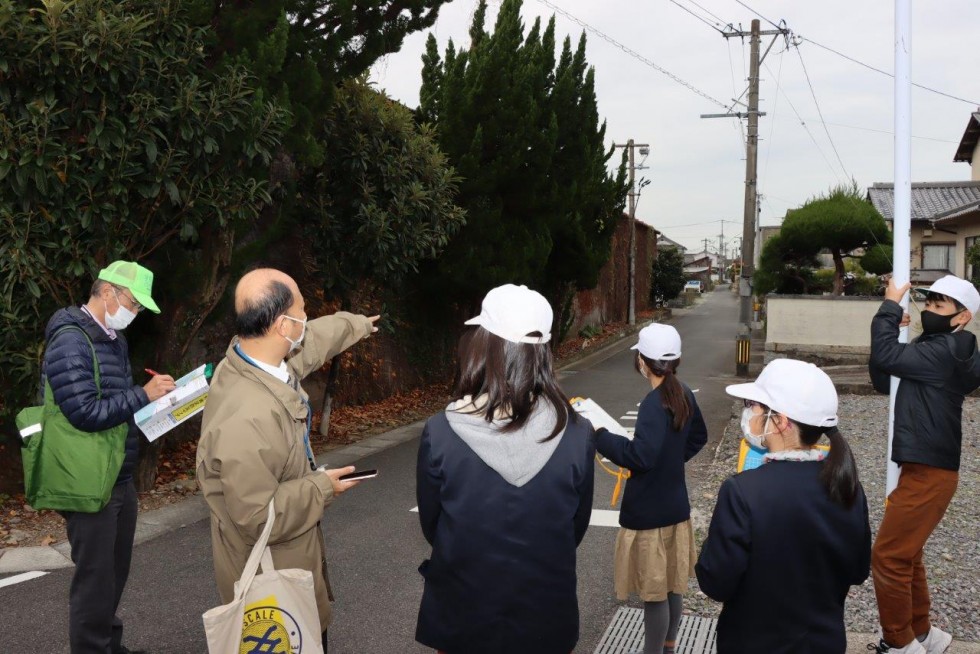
(653, 562)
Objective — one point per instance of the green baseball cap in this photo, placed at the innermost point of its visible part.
(134, 277)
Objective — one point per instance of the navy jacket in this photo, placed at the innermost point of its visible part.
(502, 573)
(656, 492)
(937, 371)
(782, 556)
(68, 367)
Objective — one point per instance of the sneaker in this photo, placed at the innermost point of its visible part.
(915, 647)
(937, 641)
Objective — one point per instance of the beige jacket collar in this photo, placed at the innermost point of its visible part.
(293, 400)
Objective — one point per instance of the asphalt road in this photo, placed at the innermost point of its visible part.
(373, 541)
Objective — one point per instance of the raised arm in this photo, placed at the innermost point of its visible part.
(327, 337)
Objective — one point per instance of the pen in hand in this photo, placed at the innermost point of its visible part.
(159, 385)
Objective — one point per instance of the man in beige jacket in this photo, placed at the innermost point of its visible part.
(254, 443)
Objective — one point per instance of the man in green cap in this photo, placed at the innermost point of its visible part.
(102, 542)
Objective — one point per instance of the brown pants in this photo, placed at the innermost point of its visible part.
(913, 511)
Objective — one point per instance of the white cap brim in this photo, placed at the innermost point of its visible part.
(530, 340)
(750, 391)
(662, 357)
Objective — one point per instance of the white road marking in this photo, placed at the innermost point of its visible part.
(627, 417)
(632, 413)
(26, 576)
(600, 518)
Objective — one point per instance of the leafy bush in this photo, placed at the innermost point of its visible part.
(115, 139)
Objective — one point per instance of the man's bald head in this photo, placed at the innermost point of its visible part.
(261, 296)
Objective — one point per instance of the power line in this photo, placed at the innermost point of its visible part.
(778, 27)
(820, 113)
(700, 18)
(772, 119)
(806, 127)
(885, 72)
(715, 16)
(630, 52)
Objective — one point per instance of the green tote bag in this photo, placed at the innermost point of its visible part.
(67, 469)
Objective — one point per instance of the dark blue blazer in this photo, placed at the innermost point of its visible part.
(68, 367)
(501, 577)
(781, 556)
(656, 492)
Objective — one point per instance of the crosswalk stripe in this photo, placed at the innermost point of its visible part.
(26, 576)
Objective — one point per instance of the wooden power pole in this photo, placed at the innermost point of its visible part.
(743, 340)
(644, 149)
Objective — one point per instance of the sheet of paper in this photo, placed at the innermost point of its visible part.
(185, 401)
(591, 411)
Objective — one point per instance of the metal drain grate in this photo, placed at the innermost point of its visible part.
(625, 634)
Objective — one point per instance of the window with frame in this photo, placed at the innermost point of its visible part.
(969, 243)
(939, 256)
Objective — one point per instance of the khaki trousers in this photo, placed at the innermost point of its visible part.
(913, 511)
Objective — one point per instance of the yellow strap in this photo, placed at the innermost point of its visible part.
(620, 474)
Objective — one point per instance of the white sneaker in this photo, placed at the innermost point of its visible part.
(937, 642)
(915, 647)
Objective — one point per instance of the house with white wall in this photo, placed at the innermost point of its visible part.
(945, 215)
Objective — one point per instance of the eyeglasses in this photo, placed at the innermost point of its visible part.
(137, 307)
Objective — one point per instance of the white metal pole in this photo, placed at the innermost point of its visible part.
(903, 192)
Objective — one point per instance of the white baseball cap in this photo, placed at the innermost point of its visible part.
(796, 389)
(959, 289)
(512, 312)
(659, 342)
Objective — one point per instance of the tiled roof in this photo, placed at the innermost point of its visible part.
(969, 141)
(959, 212)
(928, 198)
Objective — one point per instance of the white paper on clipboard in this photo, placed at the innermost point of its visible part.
(591, 411)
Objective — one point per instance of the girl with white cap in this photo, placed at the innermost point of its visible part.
(504, 487)
(654, 556)
(788, 539)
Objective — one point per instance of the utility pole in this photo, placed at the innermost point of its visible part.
(633, 197)
(743, 339)
(721, 253)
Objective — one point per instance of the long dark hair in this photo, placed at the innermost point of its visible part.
(513, 376)
(839, 474)
(671, 391)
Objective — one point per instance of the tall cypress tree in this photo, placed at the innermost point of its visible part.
(525, 137)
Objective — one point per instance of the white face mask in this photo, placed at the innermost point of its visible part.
(294, 345)
(755, 440)
(121, 318)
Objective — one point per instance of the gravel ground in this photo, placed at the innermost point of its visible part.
(952, 556)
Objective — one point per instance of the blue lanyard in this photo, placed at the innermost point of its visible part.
(309, 410)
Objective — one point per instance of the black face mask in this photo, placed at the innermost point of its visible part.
(935, 323)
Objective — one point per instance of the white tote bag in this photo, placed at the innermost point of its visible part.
(273, 613)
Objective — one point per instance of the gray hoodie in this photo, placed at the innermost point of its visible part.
(516, 456)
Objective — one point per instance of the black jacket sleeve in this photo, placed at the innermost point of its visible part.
(641, 453)
(586, 489)
(697, 437)
(68, 368)
(926, 361)
(725, 555)
(427, 488)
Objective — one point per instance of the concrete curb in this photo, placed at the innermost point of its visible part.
(151, 524)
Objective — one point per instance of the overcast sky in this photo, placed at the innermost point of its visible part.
(697, 166)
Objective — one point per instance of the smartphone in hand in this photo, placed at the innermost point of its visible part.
(358, 475)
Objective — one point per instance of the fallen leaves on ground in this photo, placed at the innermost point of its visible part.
(22, 526)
